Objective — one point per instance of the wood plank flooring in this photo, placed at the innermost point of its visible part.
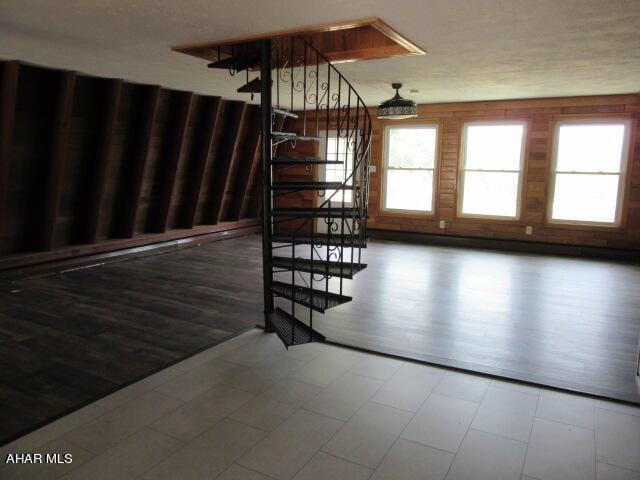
(558, 321)
(73, 337)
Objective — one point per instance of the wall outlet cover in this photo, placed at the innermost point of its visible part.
(528, 230)
(442, 223)
(372, 169)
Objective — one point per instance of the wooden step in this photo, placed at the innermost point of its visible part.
(322, 267)
(319, 300)
(291, 330)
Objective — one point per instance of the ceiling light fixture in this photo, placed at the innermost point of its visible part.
(397, 108)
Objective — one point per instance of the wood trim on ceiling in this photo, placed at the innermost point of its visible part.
(349, 51)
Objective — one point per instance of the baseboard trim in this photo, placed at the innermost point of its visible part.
(41, 264)
(507, 245)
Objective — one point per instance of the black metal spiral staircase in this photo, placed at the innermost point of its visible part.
(314, 126)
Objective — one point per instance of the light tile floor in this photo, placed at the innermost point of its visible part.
(250, 409)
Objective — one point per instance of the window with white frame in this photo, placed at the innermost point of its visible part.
(491, 169)
(410, 160)
(335, 150)
(589, 162)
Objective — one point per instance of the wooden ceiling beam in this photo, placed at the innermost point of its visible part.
(8, 97)
(139, 162)
(181, 121)
(224, 162)
(247, 165)
(240, 161)
(203, 151)
(103, 155)
(59, 154)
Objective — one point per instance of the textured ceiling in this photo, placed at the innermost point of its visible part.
(478, 49)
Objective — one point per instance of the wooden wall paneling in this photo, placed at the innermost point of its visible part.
(179, 116)
(202, 152)
(222, 165)
(59, 153)
(110, 109)
(240, 163)
(254, 187)
(139, 161)
(8, 95)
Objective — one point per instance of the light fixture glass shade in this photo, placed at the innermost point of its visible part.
(397, 108)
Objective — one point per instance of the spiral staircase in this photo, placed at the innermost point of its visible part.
(316, 139)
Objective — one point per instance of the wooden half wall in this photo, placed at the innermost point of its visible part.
(93, 164)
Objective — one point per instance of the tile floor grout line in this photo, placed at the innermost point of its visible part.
(467, 432)
(533, 421)
(321, 449)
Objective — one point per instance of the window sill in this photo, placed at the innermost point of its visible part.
(569, 225)
(488, 219)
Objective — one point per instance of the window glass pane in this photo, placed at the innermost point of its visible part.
(591, 198)
(412, 147)
(493, 147)
(490, 193)
(590, 148)
(409, 190)
(337, 150)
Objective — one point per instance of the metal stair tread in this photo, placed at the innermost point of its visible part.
(321, 239)
(335, 212)
(304, 160)
(254, 86)
(293, 136)
(335, 269)
(283, 112)
(310, 186)
(240, 61)
(319, 300)
(291, 330)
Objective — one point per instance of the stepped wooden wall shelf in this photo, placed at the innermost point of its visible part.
(364, 39)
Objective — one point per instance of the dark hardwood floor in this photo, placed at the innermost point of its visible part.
(73, 337)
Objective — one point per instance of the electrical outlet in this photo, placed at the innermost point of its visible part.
(372, 169)
(528, 230)
(442, 223)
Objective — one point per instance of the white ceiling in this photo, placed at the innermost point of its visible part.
(478, 49)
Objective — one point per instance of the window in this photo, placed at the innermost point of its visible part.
(409, 168)
(588, 169)
(491, 169)
(336, 150)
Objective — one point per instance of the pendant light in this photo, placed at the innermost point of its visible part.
(397, 108)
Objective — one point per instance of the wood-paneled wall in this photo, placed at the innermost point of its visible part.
(539, 115)
(89, 164)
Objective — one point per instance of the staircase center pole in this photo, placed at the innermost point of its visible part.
(267, 201)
